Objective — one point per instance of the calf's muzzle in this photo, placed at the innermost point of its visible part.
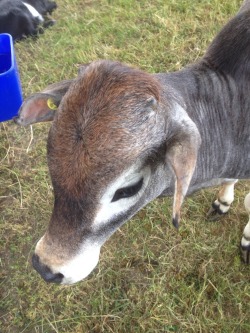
(45, 271)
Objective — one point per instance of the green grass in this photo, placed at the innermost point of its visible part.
(150, 278)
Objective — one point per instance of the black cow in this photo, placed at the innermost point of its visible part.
(24, 18)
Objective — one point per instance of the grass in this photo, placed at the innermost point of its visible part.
(150, 278)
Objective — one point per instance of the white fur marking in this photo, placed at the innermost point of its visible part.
(81, 265)
(223, 208)
(108, 209)
(247, 203)
(34, 12)
(246, 232)
(245, 242)
(227, 193)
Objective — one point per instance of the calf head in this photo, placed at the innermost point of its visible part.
(118, 140)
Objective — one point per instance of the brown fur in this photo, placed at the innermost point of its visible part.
(105, 102)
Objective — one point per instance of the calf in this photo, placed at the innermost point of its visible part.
(121, 137)
(23, 18)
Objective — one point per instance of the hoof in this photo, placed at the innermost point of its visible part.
(216, 211)
(245, 253)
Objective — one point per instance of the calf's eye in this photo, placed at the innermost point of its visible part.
(126, 192)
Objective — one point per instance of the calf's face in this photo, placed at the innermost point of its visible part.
(115, 144)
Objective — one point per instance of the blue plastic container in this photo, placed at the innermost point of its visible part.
(10, 85)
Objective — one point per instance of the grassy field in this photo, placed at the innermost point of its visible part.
(150, 278)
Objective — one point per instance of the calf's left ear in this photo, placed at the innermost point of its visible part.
(42, 106)
(181, 154)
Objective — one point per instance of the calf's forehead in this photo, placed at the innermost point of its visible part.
(102, 126)
(98, 157)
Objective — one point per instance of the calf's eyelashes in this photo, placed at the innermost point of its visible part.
(129, 191)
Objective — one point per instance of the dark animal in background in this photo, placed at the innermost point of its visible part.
(25, 18)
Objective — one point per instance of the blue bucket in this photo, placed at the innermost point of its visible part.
(10, 85)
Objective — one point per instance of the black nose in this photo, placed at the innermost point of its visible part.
(45, 271)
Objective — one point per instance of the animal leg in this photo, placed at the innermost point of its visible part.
(245, 241)
(225, 197)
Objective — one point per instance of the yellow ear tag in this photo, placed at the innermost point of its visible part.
(51, 104)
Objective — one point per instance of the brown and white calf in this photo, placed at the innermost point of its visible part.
(121, 137)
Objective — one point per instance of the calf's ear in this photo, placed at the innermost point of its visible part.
(181, 154)
(42, 106)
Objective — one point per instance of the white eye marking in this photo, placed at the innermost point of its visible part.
(108, 209)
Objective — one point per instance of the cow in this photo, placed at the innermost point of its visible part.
(121, 137)
(25, 18)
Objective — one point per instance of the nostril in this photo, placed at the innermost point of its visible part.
(45, 271)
